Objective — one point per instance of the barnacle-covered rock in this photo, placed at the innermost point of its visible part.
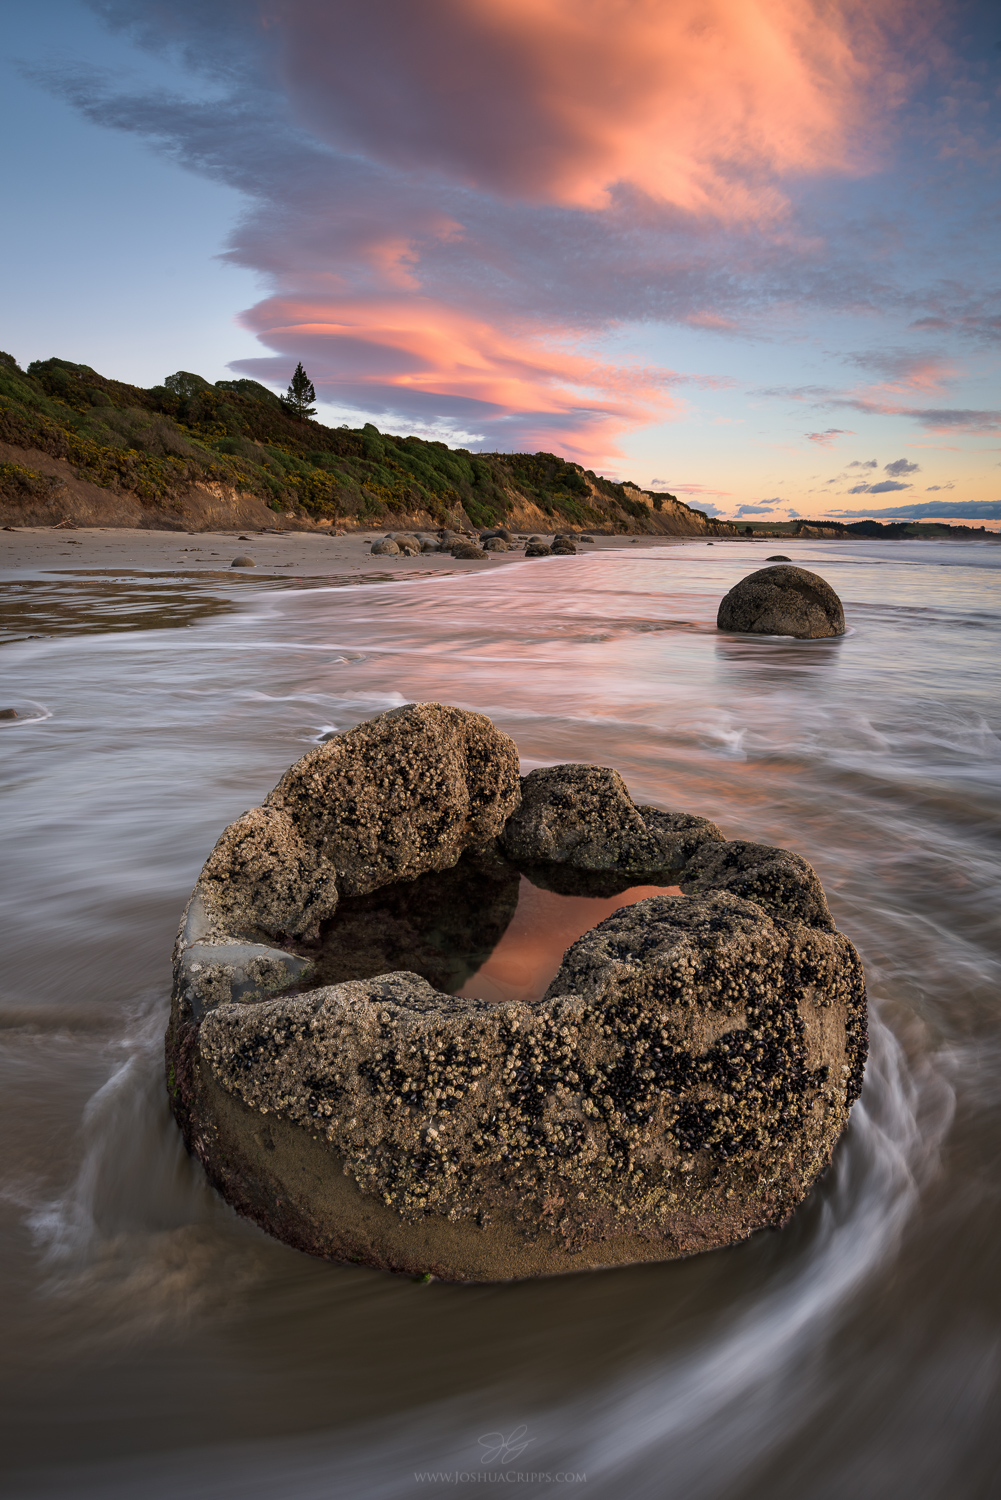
(681, 1083)
(396, 796)
(780, 881)
(579, 821)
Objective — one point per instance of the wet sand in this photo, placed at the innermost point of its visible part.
(303, 554)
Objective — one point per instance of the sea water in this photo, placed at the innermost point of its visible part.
(153, 1344)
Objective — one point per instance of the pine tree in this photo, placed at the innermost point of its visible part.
(300, 394)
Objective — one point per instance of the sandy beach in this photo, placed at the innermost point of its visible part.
(303, 554)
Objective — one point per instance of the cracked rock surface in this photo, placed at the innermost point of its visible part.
(681, 1084)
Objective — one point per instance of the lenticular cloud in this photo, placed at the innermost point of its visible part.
(704, 104)
(455, 202)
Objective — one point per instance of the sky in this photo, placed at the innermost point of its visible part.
(746, 251)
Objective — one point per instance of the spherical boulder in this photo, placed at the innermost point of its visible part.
(782, 600)
(408, 545)
(243, 562)
(681, 1083)
(385, 547)
(468, 552)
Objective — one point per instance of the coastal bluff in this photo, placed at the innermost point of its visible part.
(79, 447)
(681, 1083)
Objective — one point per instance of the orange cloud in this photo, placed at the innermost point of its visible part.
(396, 349)
(703, 104)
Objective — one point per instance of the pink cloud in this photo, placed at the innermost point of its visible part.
(826, 438)
(454, 202)
(686, 489)
(396, 349)
(905, 370)
(703, 104)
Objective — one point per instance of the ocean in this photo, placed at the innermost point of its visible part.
(154, 1344)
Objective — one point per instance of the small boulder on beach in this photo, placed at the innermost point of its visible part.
(385, 547)
(468, 552)
(783, 600)
(243, 562)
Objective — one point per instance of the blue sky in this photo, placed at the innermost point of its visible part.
(753, 260)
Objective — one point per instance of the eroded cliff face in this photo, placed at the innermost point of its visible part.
(44, 490)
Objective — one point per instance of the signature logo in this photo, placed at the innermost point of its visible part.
(498, 1448)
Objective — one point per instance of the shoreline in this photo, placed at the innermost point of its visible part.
(281, 553)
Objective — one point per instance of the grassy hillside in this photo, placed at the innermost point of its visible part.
(237, 437)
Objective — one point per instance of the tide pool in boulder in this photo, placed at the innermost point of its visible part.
(681, 1083)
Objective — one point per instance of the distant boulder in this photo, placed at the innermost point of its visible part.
(782, 601)
(385, 547)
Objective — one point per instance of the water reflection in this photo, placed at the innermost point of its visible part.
(443, 926)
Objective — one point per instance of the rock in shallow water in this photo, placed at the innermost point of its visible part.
(782, 601)
(580, 821)
(681, 1084)
(396, 796)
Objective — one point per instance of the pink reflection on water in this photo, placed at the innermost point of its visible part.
(541, 930)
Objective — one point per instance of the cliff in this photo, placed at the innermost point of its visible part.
(187, 455)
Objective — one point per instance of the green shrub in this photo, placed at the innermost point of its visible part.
(184, 384)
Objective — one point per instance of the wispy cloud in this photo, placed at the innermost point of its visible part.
(826, 438)
(931, 418)
(878, 489)
(901, 466)
(903, 370)
(968, 510)
(686, 488)
(454, 202)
